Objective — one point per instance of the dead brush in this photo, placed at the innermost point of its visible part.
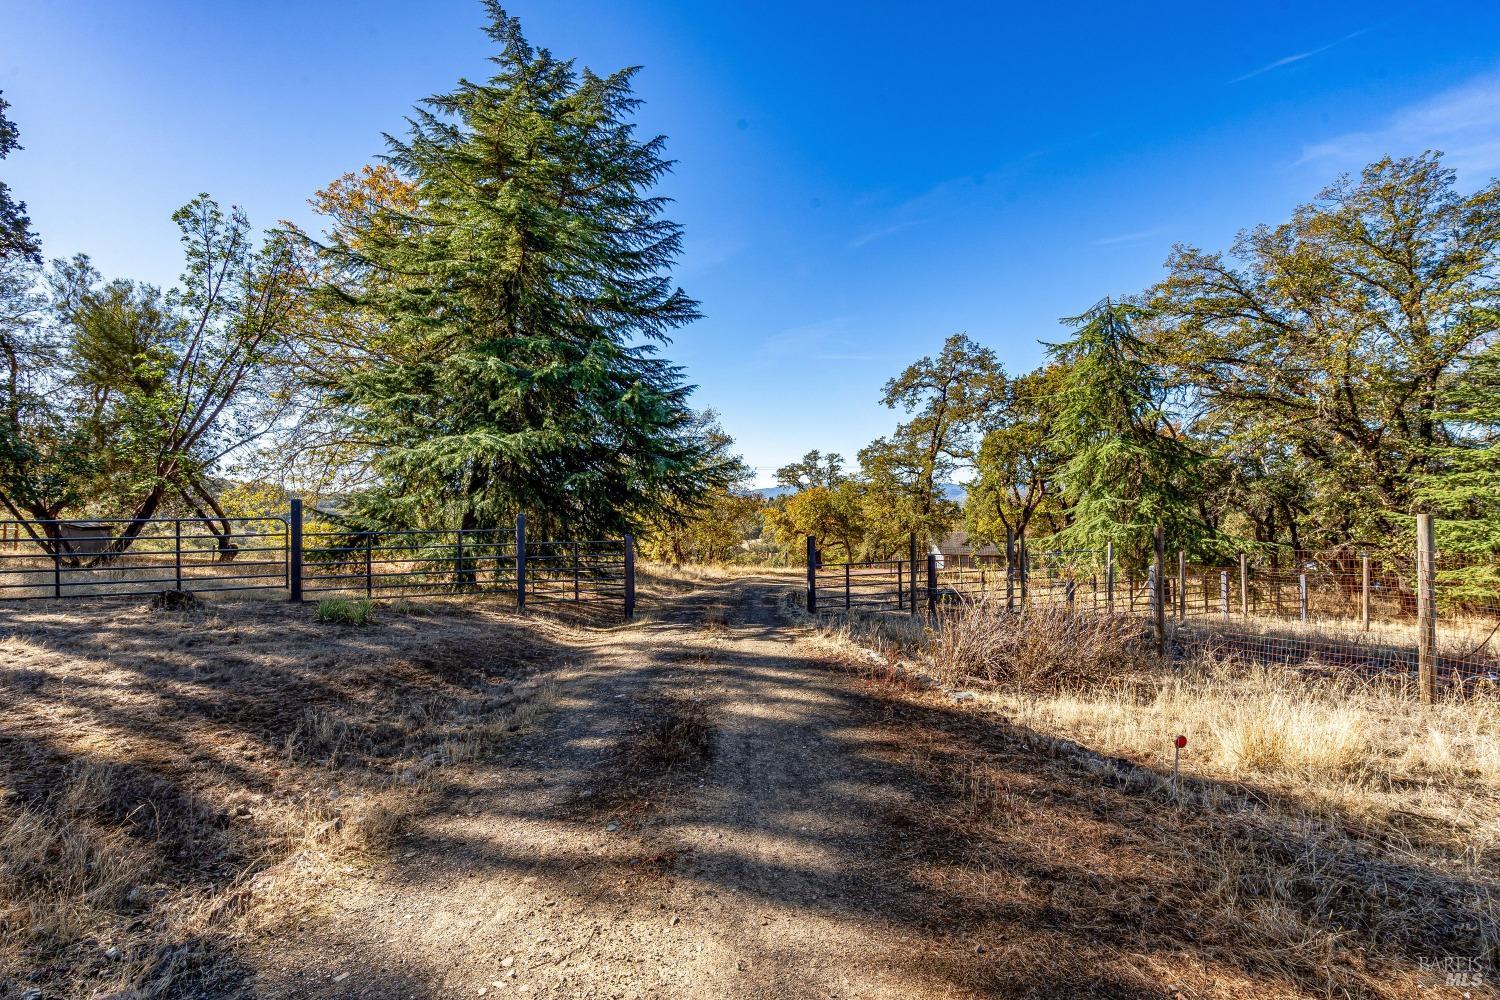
(674, 738)
(678, 738)
(1035, 648)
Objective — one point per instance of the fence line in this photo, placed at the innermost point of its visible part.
(282, 556)
(1430, 616)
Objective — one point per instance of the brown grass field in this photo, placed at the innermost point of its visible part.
(1326, 831)
(169, 782)
(241, 800)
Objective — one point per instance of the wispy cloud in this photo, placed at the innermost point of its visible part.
(833, 339)
(1299, 56)
(882, 232)
(1139, 236)
(1463, 122)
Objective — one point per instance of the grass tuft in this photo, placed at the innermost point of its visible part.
(346, 611)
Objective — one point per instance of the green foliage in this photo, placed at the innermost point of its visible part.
(16, 238)
(1463, 488)
(121, 398)
(812, 469)
(835, 516)
(345, 611)
(1317, 355)
(1128, 467)
(726, 515)
(1019, 462)
(947, 399)
(515, 309)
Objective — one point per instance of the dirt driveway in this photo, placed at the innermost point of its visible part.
(704, 814)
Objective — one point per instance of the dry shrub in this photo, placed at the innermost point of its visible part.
(1035, 648)
(890, 635)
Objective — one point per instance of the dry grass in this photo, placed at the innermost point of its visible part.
(170, 781)
(1330, 837)
(672, 739)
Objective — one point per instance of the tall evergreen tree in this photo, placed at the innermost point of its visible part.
(1465, 492)
(518, 308)
(1129, 467)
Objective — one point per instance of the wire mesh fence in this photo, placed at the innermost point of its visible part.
(1359, 612)
(1434, 617)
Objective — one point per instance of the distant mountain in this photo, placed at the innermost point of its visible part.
(953, 491)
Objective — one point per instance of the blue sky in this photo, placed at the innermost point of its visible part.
(857, 180)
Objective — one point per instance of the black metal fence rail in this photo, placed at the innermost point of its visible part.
(922, 583)
(267, 556)
(577, 571)
(381, 562)
(124, 557)
(882, 585)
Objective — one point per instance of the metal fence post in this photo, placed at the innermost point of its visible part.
(911, 553)
(294, 550)
(1426, 611)
(575, 573)
(1159, 588)
(847, 601)
(369, 564)
(521, 561)
(1302, 597)
(812, 574)
(629, 577)
(932, 583)
(177, 550)
(1010, 569)
(1023, 569)
(57, 544)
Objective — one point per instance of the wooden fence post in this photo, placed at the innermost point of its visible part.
(1181, 585)
(629, 577)
(521, 563)
(1364, 592)
(1224, 594)
(1244, 586)
(1109, 577)
(1302, 597)
(812, 574)
(1159, 588)
(1426, 611)
(294, 551)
